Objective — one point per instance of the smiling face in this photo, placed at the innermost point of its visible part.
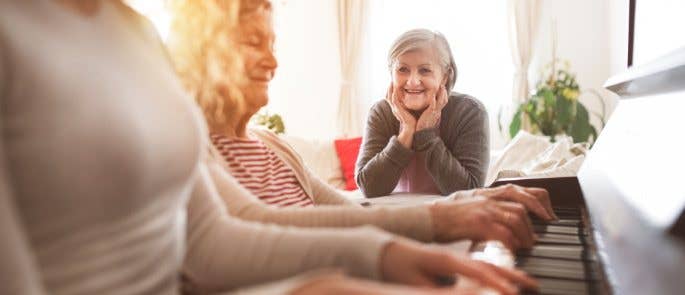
(255, 43)
(417, 76)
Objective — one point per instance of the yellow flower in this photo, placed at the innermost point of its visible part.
(570, 94)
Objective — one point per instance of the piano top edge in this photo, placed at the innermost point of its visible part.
(650, 78)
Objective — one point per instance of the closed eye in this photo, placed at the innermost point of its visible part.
(252, 40)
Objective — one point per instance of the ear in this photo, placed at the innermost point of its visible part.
(446, 76)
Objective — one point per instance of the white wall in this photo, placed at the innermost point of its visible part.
(306, 87)
(591, 34)
(618, 35)
(658, 29)
(585, 39)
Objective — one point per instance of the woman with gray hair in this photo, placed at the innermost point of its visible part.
(423, 137)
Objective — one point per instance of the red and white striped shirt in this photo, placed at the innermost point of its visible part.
(261, 171)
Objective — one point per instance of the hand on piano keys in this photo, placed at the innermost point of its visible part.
(483, 219)
(562, 260)
(409, 262)
(536, 200)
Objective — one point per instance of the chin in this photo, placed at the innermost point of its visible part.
(415, 104)
(256, 99)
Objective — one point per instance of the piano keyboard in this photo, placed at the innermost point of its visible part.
(563, 259)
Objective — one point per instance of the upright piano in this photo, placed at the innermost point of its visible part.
(622, 219)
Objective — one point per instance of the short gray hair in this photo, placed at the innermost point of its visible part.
(419, 38)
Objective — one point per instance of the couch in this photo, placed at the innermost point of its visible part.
(525, 155)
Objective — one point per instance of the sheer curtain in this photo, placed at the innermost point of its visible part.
(477, 33)
(351, 22)
(524, 20)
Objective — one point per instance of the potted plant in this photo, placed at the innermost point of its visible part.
(272, 122)
(554, 109)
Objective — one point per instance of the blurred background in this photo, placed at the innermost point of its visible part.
(501, 49)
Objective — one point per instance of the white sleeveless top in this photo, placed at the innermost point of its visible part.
(98, 147)
(100, 161)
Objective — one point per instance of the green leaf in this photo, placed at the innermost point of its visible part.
(582, 130)
(515, 124)
(563, 111)
(549, 98)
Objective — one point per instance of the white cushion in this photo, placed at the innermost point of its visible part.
(320, 156)
(535, 156)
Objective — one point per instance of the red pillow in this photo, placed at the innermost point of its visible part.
(348, 151)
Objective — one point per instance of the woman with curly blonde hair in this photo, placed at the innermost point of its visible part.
(283, 190)
(208, 65)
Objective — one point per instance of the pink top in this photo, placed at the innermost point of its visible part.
(416, 179)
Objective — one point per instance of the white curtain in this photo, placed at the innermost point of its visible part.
(351, 22)
(524, 20)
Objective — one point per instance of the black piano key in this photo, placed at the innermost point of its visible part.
(544, 239)
(567, 252)
(560, 222)
(573, 211)
(558, 269)
(563, 216)
(560, 215)
(563, 230)
(551, 263)
(561, 287)
(566, 209)
(562, 260)
(569, 214)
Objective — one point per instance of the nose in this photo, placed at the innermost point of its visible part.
(414, 80)
(268, 61)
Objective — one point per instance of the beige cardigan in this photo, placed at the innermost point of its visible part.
(332, 210)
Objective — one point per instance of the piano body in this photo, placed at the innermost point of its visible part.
(622, 219)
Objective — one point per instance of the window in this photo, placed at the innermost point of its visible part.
(156, 12)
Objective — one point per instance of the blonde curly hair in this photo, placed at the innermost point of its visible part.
(205, 56)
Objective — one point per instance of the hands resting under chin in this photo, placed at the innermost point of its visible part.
(429, 118)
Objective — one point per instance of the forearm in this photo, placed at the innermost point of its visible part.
(233, 253)
(324, 194)
(412, 222)
(451, 172)
(292, 285)
(225, 253)
(379, 175)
